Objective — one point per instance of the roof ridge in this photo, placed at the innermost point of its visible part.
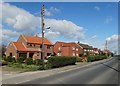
(14, 45)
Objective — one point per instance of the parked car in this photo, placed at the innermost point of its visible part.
(49, 56)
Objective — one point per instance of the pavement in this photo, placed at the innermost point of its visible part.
(18, 78)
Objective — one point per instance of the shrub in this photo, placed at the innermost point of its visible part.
(14, 60)
(20, 59)
(84, 60)
(81, 55)
(29, 61)
(91, 58)
(79, 59)
(9, 59)
(4, 63)
(37, 62)
(96, 58)
(58, 61)
(4, 58)
(48, 66)
(100, 57)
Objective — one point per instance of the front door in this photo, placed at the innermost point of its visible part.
(11, 54)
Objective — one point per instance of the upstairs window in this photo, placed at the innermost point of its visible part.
(30, 45)
(73, 48)
(59, 48)
(76, 49)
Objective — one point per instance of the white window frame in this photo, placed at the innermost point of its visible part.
(59, 54)
(73, 48)
(59, 48)
(77, 54)
(73, 54)
(76, 49)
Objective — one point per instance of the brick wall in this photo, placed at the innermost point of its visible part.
(11, 49)
(67, 49)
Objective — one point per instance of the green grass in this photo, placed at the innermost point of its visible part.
(24, 66)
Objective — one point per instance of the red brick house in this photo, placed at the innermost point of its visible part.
(107, 52)
(97, 51)
(86, 48)
(29, 46)
(67, 49)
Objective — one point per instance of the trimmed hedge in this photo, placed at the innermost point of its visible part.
(59, 61)
(96, 58)
(91, 58)
(37, 62)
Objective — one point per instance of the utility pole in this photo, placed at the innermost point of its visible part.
(42, 22)
(106, 45)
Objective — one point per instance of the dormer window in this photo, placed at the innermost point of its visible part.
(30, 45)
(40, 46)
(34, 45)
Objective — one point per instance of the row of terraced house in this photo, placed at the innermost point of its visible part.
(31, 46)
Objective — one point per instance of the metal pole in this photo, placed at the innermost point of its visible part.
(106, 45)
(42, 22)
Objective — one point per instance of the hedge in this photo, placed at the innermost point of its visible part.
(91, 58)
(14, 60)
(9, 59)
(79, 59)
(29, 61)
(20, 60)
(37, 62)
(59, 61)
(96, 58)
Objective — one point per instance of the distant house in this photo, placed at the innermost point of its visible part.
(86, 48)
(107, 52)
(29, 46)
(97, 51)
(67, 49)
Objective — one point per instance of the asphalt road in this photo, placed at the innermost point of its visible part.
(103, 73)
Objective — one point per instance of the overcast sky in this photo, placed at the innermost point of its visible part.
(91, 23)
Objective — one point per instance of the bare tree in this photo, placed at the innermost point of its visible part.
(2, 49)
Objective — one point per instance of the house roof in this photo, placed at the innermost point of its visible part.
(95, 49)
(37, 40)
(20, 47)
(66, 44)
(106, 51)
(85, 46)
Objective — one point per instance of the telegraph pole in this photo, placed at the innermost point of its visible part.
(42, 24)
(106, 45)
